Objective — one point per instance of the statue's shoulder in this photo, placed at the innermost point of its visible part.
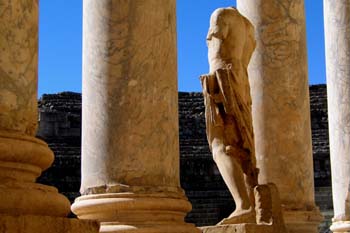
(234, 11)
(226, 12)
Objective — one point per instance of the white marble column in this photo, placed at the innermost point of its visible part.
(337, 36)
(281, 111)
(22, 156)
(130, 142)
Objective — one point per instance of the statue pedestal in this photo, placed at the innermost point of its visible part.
(340, 227)
(269, 216)
(238, 228)
(45, 224)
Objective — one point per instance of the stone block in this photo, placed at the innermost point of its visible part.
(238, 228)
(45, 224)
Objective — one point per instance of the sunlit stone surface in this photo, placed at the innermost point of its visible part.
(337, 35)
(130, 148)
(281, 112)
(25, 206)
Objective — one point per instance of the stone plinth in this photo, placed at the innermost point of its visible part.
(130, 147)
(45, 224)
(241, 228)
(340, 226)
(337, 31)
(281, 111)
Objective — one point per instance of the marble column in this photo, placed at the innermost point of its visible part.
(281, 111)
(130, 147)
(22, 156)
(26, 206)
(337, 36)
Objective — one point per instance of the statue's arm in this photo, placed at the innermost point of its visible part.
(210, 87)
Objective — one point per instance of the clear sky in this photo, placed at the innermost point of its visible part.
(60, 43)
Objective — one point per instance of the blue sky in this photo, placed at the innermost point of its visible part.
(60, 43)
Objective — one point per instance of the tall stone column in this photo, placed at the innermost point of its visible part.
(25, 206)
(22, 156)
(281, 111)
(337, 36)
(130, 147)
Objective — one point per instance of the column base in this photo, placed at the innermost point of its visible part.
(136, 212)
(32, 199)
(340, 227)
(238, 228)
(45, 224)
(22, 159)
(148, 228)
(303, 221)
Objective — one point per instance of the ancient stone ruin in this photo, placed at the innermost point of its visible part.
(130, 173)
(60, 126)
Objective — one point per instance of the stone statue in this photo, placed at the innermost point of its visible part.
(229, 124)
(228, 108)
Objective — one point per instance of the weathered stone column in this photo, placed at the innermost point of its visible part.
(22, 156)
(130, 148)
(281, 111)
(25, 206)
(337, 36)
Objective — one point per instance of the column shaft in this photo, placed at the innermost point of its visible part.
(281, 111)
(130, 148)
(130, 122)
(337, 36)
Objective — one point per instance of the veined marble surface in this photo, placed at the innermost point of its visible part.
(18, 66)
(130, 121)
(281, 111)
(337, 36)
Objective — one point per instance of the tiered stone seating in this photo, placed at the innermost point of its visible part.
(60, 120)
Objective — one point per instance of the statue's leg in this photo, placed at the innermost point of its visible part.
(234, 148)
(232, 174)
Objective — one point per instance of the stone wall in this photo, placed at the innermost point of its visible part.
(60, 120)
(320, 141)
(320, 147)
(60, 127)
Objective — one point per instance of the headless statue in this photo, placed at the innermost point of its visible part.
(228, 108)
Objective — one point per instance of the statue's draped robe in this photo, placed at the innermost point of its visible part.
(234, 97)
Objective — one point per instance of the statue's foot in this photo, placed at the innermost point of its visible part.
(240, 216)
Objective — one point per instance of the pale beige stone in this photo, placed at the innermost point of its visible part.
(45, 224)
(18, 66)
(130, 121)
(130, 148)
(241, 228)
(337, 31)
(268, 207)
(281, 112)
(340, 226)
